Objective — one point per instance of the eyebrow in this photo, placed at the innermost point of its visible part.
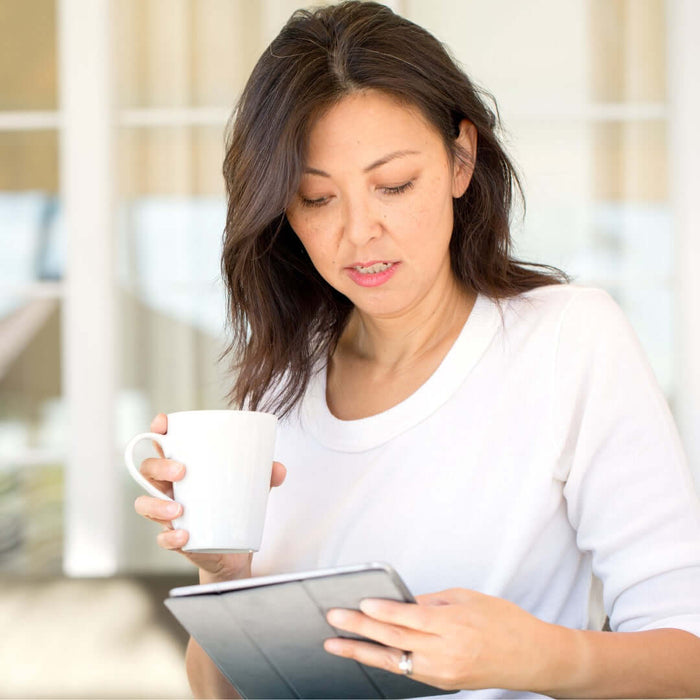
(377, 163)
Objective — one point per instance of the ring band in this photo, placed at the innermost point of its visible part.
(406, 663)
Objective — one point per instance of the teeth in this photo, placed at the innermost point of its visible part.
(377, 267)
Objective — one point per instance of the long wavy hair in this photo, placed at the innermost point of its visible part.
(283, 316)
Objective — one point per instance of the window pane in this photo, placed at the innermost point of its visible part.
(32, 409)
(29, 161)
(183, 161)
(526, 54)
(171, 221)
(178, 53)
(32, 236)
(628, 50)
(613, 179)
(28, 55)
(171, 217)
(551, 55)
(31, 519)
(630, 161)
(32, 437)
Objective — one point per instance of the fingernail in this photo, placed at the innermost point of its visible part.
(336, 617)
(176, 470)
(173, 509)
(370, 606)
(333, 646)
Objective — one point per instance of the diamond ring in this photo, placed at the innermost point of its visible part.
(406, 663)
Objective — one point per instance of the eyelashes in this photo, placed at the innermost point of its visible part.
(391, 191)
(312, 202)
(399, 189)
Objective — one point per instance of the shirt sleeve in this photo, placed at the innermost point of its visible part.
(629, 492)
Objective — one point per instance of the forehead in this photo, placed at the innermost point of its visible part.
(367, 122)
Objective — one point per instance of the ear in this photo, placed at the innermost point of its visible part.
(462, 174)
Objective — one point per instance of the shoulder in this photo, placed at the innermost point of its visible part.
(568, 325)
(589, 338)
(556, 298)
(568, 308)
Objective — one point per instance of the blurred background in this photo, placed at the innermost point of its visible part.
(112, 208)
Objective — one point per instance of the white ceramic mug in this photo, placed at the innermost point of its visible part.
(228, 463)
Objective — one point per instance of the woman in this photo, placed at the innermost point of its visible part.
(493, 432)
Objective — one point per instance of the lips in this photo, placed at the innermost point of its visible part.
(372, 273)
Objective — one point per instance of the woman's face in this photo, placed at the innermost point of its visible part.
(374, 206)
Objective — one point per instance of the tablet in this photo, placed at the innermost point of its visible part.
(266, 634)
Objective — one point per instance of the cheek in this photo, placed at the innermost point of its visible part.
(430, 225)
(302, 225)
(435, 202)
(310, 232)
(442, 213)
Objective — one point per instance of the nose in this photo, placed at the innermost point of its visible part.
(361, 223)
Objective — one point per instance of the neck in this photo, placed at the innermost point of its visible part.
(397, 342)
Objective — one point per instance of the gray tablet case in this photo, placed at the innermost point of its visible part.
(266, 634)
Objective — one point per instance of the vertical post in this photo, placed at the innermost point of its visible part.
(92, 481)
(683, 17)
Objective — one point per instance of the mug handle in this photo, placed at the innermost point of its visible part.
(135, 473)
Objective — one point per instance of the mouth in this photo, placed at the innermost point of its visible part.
(372, 273)
(371, 268)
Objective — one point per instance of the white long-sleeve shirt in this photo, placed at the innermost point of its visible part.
(539, 463)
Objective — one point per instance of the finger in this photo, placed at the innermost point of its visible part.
(159, 425)
(157, 509)
(370, 654)
(162, 470)
(279, 473)
(382, 632)
(173, 539)
(418, 617)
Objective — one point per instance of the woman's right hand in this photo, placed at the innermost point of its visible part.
(162, 472)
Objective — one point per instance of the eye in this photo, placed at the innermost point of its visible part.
(321, 201)
(398, 189)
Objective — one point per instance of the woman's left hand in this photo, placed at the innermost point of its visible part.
(459, 640)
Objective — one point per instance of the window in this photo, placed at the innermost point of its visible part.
(112, 210)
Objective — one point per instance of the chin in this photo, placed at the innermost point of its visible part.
(380, 308)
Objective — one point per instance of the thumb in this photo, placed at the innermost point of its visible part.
(279, 474)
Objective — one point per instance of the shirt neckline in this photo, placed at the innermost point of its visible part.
(364, 434)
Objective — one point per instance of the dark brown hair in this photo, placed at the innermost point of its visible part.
(284, 317)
